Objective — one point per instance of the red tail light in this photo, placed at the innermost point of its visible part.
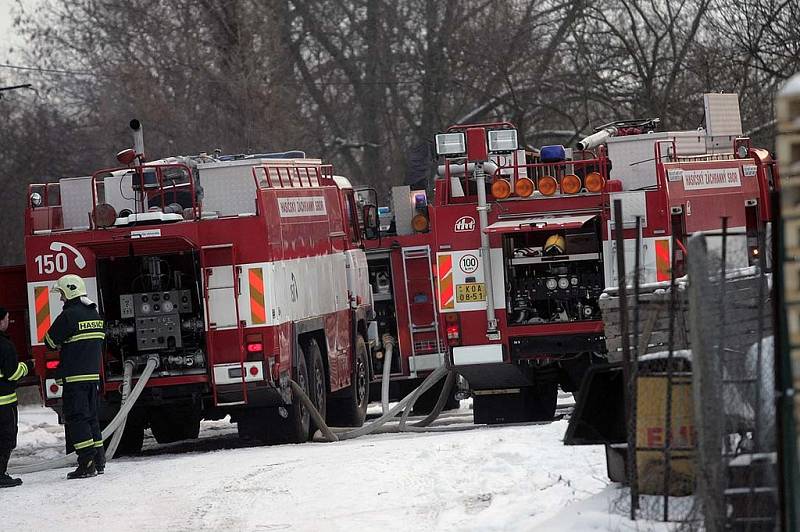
(453, 327)
(254, 346)
(52, 364)
(257, 347)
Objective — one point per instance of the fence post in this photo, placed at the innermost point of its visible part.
(705, 388)
(630, 402)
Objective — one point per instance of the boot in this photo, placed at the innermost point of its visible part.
(100, 459)
(5, 480)
(86, 468)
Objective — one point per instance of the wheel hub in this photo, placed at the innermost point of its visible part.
(361, 380)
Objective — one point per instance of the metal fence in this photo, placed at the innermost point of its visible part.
(698, 357)
(733, 383)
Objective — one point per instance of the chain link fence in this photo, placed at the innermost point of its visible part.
(698, 358)
(734, 383)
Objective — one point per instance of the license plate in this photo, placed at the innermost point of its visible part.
(470, 292)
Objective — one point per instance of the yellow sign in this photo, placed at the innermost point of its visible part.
(470, 292)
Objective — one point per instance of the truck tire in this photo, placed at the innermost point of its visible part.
(295, 428)
(132, 439)
(427, 400)
(133, 436)
(351, 411)
(542, 402)
(318, 384)
(171, 424)
(253, 423)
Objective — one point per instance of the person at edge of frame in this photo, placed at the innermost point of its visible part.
(11, 371)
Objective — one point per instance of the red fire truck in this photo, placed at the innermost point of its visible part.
(240, 273)
(532, 233)
(401, 272)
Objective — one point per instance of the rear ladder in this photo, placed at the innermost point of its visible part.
(205, 251)
(412, 255)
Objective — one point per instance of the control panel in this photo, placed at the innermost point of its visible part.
(155, 303)
(157, 314)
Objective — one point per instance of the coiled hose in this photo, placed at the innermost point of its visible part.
(116, 423)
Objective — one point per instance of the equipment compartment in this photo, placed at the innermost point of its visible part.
(553, 276)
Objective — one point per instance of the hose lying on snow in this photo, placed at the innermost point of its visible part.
(405, 405)
(117, 423)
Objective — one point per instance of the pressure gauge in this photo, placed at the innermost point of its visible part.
(168, 306)
(146, 307)
(573, 281)
(551, 284)
(563, 283)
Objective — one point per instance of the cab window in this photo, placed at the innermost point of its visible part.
(352, 218)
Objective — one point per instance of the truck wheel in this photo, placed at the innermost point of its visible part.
(318, 387)
(252, 424)
(427, 400)
(132, 439)
(133, 436)
(171, 424)
(351, 411)
(542, 402)
(296, 426)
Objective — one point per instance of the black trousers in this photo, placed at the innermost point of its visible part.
(8, 428)
(80, 417)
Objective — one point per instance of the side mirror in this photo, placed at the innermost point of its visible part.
(371, 223)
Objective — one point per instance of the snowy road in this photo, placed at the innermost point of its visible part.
(506, 478)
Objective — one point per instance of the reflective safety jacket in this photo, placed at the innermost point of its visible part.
(11, 371)
(79, 332)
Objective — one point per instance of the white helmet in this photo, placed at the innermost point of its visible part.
(71, 286)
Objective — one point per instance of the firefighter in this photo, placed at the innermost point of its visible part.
(11, 371)
(79, 333)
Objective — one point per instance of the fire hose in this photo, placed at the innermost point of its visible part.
(116, 425)
(127, 380)
(388, 345)
(405, 405)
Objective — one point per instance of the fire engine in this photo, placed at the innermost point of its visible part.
(401, 273)
(524, 240)
(238, 272)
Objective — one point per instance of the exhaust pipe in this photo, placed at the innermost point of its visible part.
(138, 139)
(596, 139)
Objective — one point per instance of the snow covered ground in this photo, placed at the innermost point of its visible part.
(499, 478)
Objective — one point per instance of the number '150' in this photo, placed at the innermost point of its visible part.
(47, 264)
